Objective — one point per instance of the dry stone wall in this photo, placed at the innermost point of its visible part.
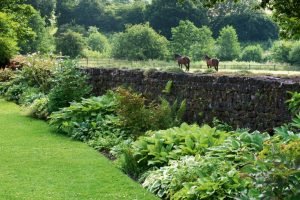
(257, 103)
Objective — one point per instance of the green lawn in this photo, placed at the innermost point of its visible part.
(38, 164)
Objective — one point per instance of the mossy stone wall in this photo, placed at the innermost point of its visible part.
(257, 103)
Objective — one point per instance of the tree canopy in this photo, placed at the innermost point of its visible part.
(286, 13)
(165, 14)
(140, 42)
(228, 44)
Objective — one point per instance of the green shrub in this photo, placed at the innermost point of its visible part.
(294, 103)
(38, 72)
(281, 50)
(129, 164)
(229, 46)
(39, 108)
(70, 43)
(252, 53)
(243, 166)
(138, 117)
(14, 92)
(34, 79)
(197, 178)
(158, 147)
(139, 42)
(97, 41)
(197, 43)
(28, 95)
(105, 143)
(70, 84)
(89, 119)
(294, 54)
(221, 125)
(6, 75)
(277, 171)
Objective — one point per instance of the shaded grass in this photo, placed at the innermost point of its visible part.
(37, 164)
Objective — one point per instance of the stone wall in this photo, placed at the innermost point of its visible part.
(257, 103)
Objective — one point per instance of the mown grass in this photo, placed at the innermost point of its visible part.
(36, 163)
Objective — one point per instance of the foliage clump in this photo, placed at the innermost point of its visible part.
(252, 53)
(70, 44)
(197, 43)
(228, 44)
(70, 84)
(139, 42)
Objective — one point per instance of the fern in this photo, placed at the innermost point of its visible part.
(168, 87)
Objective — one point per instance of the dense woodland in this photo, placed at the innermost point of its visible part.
(145, 29)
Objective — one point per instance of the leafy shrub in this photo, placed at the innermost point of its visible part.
(137, 117)
(239, 148)
(29, 94)
(128, 163)
(221, 125)
(89, 118)
(280, 51)
(14, 92)
(105, 143)
(169, 114)
(97, 41)
(229, 46)
(158, 147)
(252, 53)
(6, 75)
(244, 166)
(294, 57)
(277, 169)
(70, 43)
(196, 178)
(113, 116)
(34, 78)
(139, 42)
(69, 85)
(196, 44)
(38, 72)
(39, 108)
(294, 103)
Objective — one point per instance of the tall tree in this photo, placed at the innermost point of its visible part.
(139, 42)
(97, 41)
(46, 7)
(8, 38)
(70, 44)
(249, 26)
(165, 14)
(21, 14)
(228, 44)
(190, 40)
(286, 13)
(43, 40)
(64, 11)
(15, 27)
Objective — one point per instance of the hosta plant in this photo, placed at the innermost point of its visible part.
(158, 147)
(89, 118)
(197, 178)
